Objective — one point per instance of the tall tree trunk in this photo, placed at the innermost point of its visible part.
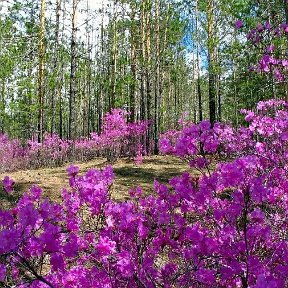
(162, 55)
(61, 75)
(41, 72)
(88, 64)
(219, 98)
(218, 88)
(89, 93)
(148, 76)
(101, 94)
(194, 89)
(157, 81)
(211, 60)
(285, 4)
(55, 67)
(73, 85)
(112, 92)
(235, 87)
(143, 99)
(133, 60)
(199, 93)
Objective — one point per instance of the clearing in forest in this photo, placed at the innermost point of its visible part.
(127, 175)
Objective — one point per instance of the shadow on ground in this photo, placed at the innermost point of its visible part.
(143, 175)
(127, 175)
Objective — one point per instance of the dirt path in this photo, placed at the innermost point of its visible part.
(127, 175)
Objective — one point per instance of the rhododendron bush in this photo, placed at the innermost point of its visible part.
(225, 228)
(117, 138)
(121, 138)
(270, 41)
(11, 152)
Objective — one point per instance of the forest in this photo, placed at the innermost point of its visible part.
(144, 143)
(64, 64)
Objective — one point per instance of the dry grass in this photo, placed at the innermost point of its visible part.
(128, 175)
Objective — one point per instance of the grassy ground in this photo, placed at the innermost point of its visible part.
(128, 175)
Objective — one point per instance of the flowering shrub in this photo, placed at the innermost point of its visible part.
(117, 139)
(53, 151)
(269, 41)
(226, 228)
(12, 154)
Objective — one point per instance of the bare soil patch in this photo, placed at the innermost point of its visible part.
(127, 175)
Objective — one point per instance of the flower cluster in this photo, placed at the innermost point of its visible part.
(11, 153)
(224, 228)
(118, 138)
(268, 40)
(52, 151)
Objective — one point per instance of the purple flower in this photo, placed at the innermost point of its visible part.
(270, 48)
(204, 125)
(72, 170)
(206, 276)
(57, 262)
(124, 264)
(278, 75)
(267, 25)
(105, 247)
(284, 63)
(8, 184)
(239, 24)
(260, 27)
(284, 27)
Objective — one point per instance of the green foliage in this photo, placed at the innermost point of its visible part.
(106, 69)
